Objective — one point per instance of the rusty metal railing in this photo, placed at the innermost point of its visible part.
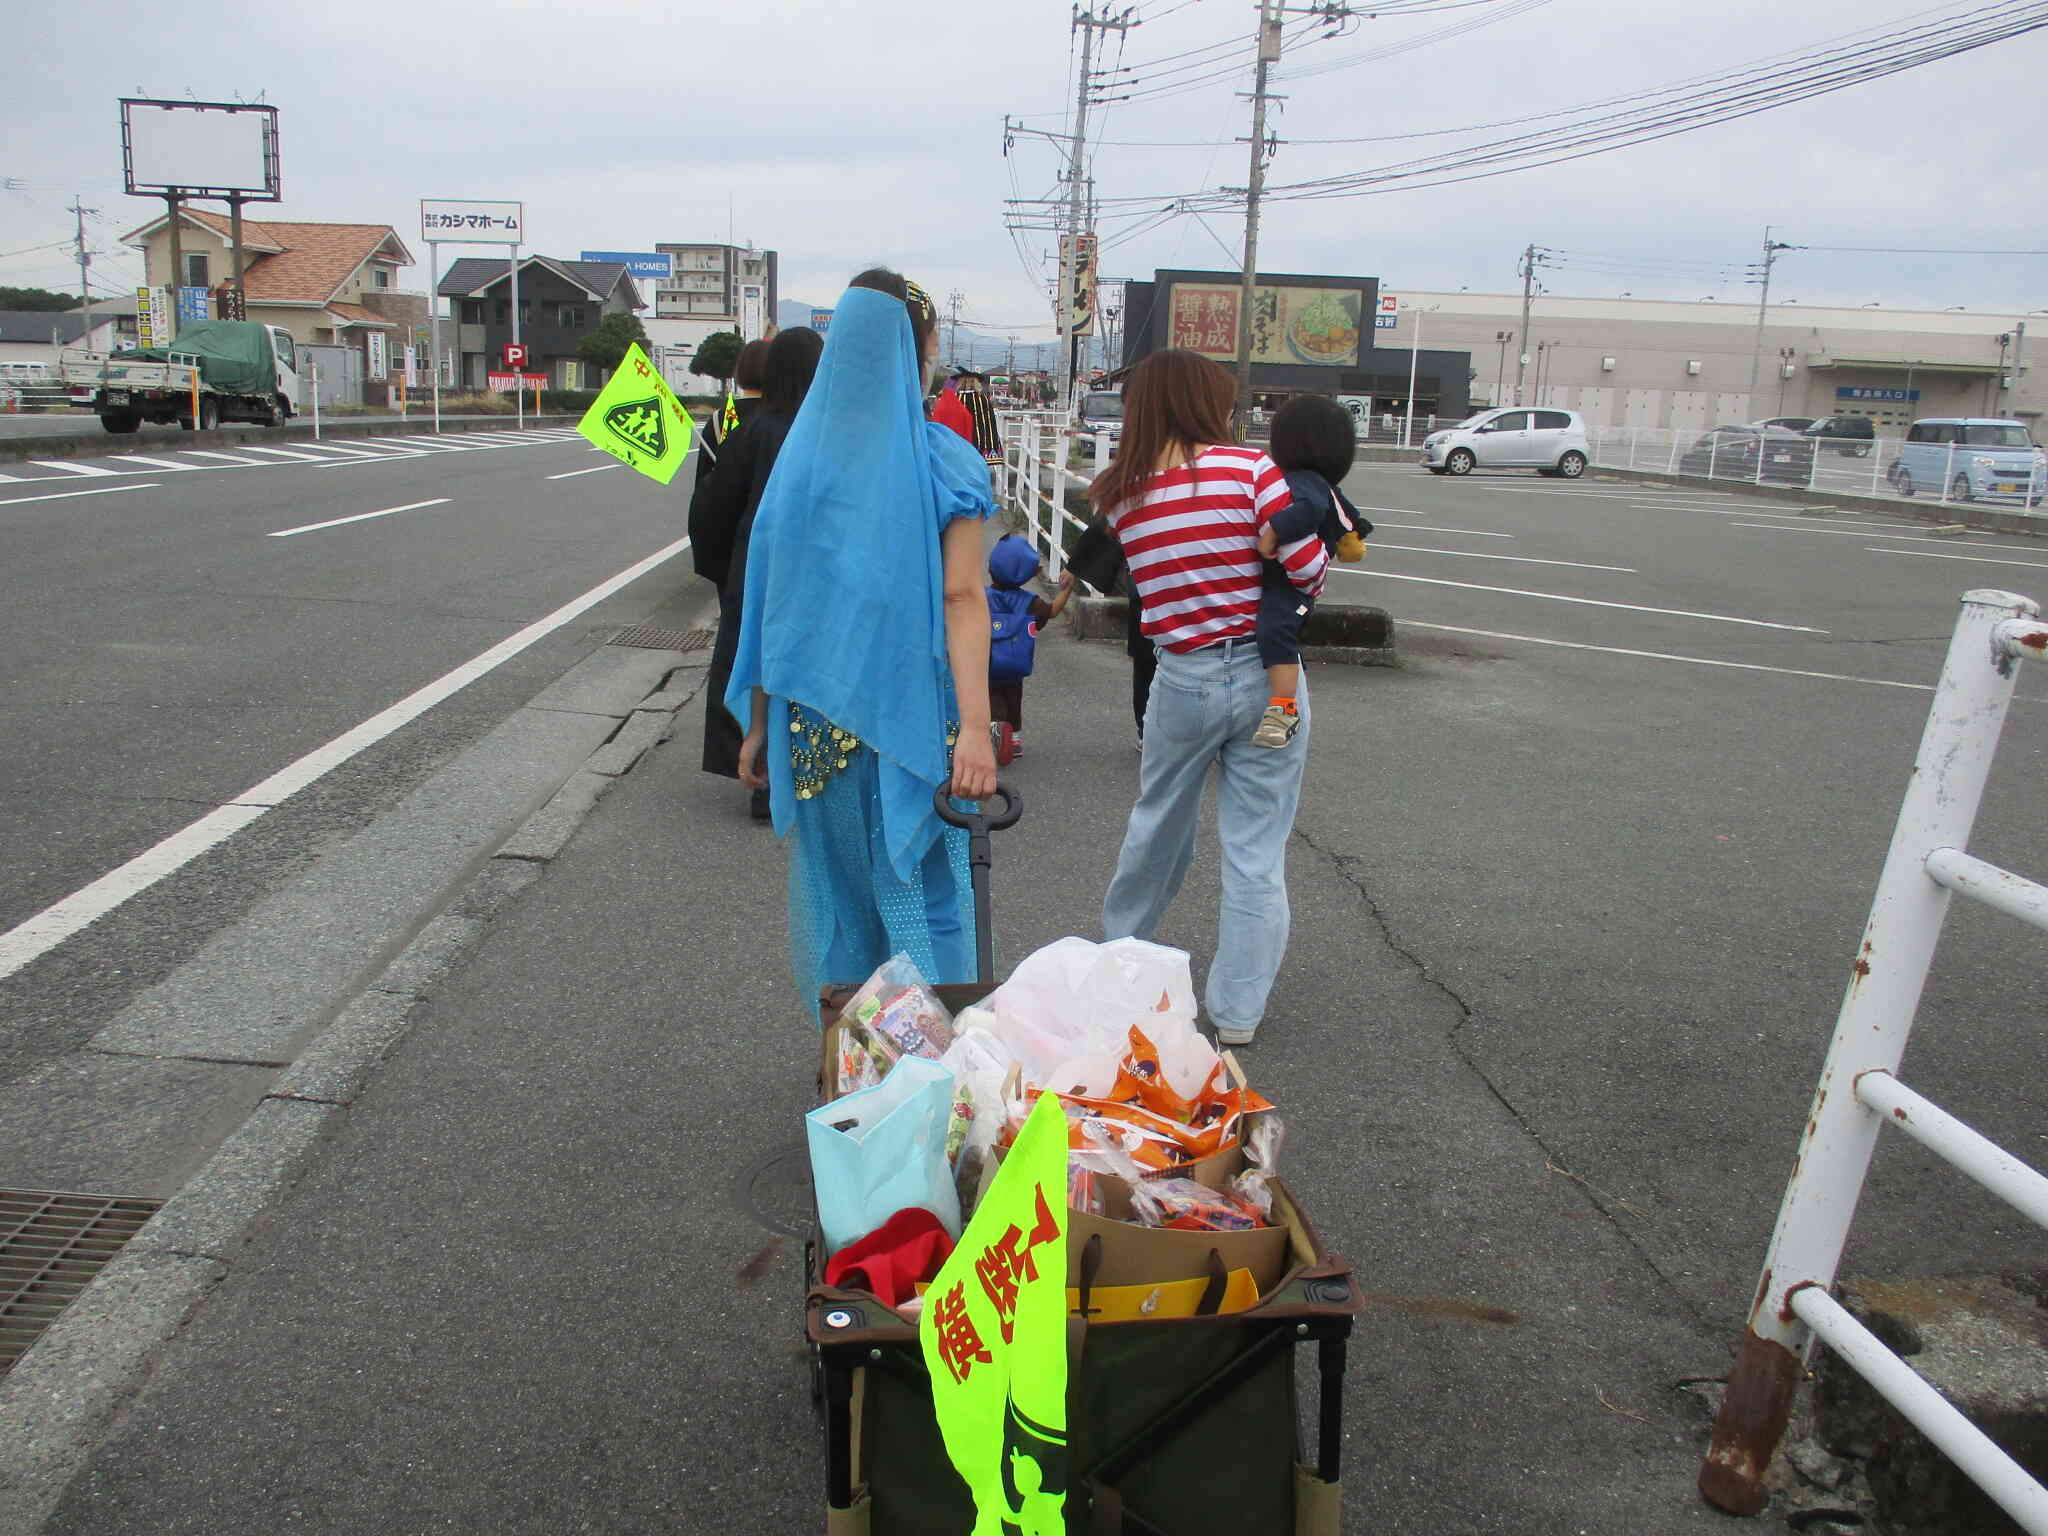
(1859, 1092)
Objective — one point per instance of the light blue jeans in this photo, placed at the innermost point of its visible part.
(1204, 707)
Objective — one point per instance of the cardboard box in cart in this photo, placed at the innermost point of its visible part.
(1180, 1427)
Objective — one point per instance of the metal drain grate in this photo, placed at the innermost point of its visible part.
(647, 637)
(51, 1246)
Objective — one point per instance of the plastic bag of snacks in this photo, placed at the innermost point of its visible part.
(896, 1005)
(1262, 1149)
(1185, 1206)
(979, 1063)
(1067, 1008)
(864, 1058)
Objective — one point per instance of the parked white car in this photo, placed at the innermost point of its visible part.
(1514, 437)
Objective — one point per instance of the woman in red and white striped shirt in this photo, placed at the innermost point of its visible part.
(1187, 505)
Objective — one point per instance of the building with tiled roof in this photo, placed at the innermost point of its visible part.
(328, 284)
(560, 304)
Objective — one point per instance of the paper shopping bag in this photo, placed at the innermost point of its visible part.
(881, 1150)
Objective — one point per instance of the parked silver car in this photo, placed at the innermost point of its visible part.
(1515, 437)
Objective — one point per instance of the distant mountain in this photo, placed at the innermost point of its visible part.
(975, 349)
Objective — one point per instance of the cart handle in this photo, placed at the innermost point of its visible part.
(979, 821)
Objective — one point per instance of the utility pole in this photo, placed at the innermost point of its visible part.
(1533, 256)
(79, 209)
(2019, 346)
(1269, 55)
(1763, 304)
(953, 302)
(1070, 243)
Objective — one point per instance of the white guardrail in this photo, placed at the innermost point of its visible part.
(1860, 1094)
(1037, 473)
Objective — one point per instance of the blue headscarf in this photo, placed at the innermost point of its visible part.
(844, 588)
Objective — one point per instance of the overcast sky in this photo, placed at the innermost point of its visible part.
(844, 134)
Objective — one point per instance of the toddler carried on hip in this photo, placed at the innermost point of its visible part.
(1314, 443)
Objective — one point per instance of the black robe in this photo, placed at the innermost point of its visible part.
(730, 495)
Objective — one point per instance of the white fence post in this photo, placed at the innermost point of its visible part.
(1948, 470)
(1876, 462)
(1924, 864)
(1671, 468)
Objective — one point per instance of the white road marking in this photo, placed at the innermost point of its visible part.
(1587, 602)
(1893, 538)
(137, 458)
(208, 453)
(1697, 661)
(105, 490)
(360, 517)
(1473, 554)
(354, 453)
(1810, 522)
(18, 479)
(56, 923)
(595, 469)
(1437, 527)
(421, 444)
(1928, 554)
(287, 453)
(72, 469)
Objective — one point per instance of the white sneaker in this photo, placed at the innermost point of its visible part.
(1276, 728)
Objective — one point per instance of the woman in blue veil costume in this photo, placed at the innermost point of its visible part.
(863, 652)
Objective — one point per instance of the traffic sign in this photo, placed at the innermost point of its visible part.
(517, 355)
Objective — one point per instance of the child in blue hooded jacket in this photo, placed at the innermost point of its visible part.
(1015, 614)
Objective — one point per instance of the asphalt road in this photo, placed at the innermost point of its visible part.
(1576, 889)
(168, 645)
(86, 425)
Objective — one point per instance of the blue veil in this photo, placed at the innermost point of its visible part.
(845, 593)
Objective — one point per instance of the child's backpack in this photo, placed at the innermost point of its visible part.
(1013, 635)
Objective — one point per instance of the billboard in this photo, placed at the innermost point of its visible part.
(821, 320)
(153, 317)
(466, 223)
(194, 305)
(753, 310)
(377, 354)
(641, 264)
(1081, 311)
(1317, 326)
(199, 149)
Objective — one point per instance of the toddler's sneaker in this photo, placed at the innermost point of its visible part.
(1277, 728)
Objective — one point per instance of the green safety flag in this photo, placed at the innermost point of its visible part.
(994, 1331)
(732, 414)
(638, 420)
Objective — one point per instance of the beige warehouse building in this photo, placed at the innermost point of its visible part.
(1688, 366)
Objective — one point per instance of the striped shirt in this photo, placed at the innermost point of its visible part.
(1191, 539)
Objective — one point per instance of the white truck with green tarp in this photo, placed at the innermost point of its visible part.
(214, 371)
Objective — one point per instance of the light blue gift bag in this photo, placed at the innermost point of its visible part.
(881, 1149)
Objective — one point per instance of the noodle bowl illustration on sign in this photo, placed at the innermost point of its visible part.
(1325, 330)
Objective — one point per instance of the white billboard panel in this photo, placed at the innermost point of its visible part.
(470, 223)
(200, 149)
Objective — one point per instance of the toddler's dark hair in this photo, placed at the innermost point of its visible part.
(1315, 432)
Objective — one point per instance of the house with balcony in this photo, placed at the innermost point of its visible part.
(560, 304)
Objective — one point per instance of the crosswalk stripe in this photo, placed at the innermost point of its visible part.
(226, 458)
(286, 453)
(354, 453)
(72, 469)
(138, 458)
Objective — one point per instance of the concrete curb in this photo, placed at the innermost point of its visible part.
(75, 446)
(73, 1383)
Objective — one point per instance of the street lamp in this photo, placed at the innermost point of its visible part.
(1414, 357)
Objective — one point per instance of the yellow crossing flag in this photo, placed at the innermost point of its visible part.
(994, 1331)
(638, 419)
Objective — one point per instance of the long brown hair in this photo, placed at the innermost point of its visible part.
(1176, 400)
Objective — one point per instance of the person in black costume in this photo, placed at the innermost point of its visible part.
(726, 501)
(711, 547)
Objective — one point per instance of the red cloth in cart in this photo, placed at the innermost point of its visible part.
(890, 1261)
